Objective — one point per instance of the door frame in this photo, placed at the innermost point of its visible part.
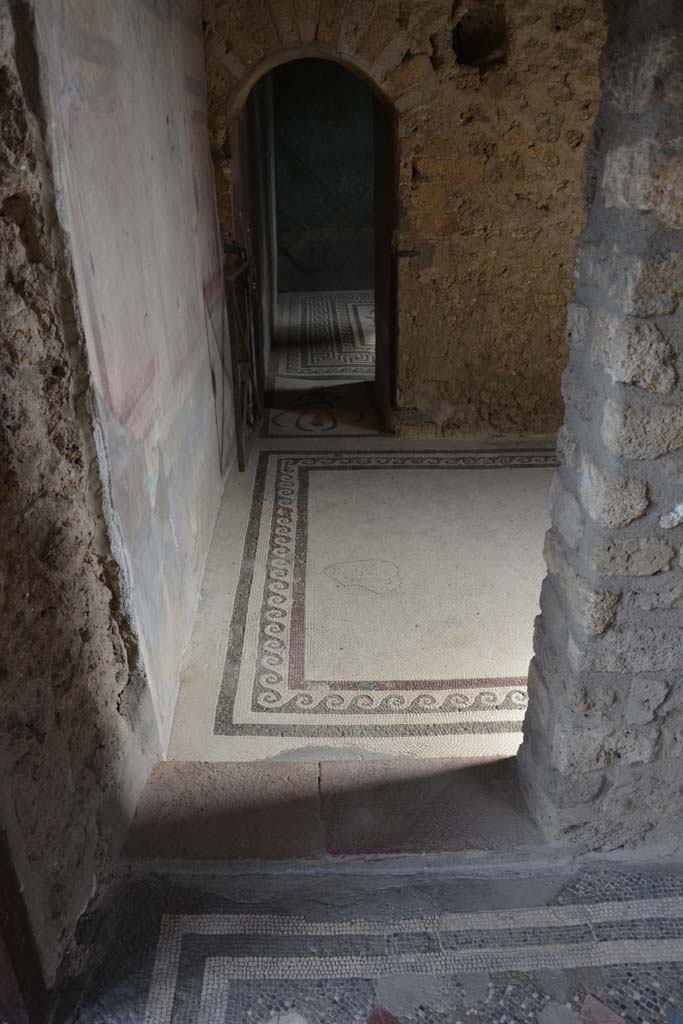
(248, 171)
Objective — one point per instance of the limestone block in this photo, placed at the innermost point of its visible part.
(633, 556)
(645, 696)
(647, 177)
(642, 432)
(566, 512)
(611, 500)
(578, 750)
(634, 352)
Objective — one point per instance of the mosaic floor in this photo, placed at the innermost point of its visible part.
(371, 597)
(337, 410)
(323, 337)
(591, 946)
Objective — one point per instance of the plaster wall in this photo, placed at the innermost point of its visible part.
(492, 141)
(78, 734)
(128, 128)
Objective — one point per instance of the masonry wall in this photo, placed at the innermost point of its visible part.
(603, 748)
(77, 729)
(128, 128)
(495, 103)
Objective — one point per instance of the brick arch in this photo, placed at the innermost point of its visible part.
(315, 51)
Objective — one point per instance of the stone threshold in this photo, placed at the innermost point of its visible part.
(201, 811)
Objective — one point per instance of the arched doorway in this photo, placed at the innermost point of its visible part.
(314, 204)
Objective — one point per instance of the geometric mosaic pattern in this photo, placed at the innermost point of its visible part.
(325, 336)
(266, 688)
(277, 969)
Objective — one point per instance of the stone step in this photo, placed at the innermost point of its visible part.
(193, 810)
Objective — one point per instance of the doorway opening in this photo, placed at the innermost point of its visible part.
(314, 189)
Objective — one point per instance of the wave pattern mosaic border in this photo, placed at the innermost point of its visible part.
(279, 686)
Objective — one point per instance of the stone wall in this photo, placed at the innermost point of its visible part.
(604, 732)
(77, 729)
(495, 103)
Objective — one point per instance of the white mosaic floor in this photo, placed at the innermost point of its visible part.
(361, 595)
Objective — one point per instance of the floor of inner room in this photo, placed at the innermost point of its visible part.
(356, 678)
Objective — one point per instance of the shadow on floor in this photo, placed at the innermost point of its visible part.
(272, 811)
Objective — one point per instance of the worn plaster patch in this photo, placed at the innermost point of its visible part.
(374, 575)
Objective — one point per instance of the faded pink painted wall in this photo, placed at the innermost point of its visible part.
(128, 126)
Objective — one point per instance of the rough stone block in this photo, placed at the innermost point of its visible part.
(378, 33)
(592, 610)
(636, 648)
(578, 390)
(633, 556)
(284, 15)
(633, 72)
(644, 800)
(578, 750)
(667, 595)
(611, 500)
(647, 177)
(567, 448)
(391, 55)
(579, 320)
(651, 287)
(670, 520)
(634, 352)
(637, 432)
(642, 287)
(329, 21)
(566, 513)
(645, 696)
(357, 15)
(409, 73)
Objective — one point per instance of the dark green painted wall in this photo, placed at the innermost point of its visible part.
(324, 176)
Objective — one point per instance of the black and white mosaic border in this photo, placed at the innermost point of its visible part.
(580, 935)
(331, 341)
